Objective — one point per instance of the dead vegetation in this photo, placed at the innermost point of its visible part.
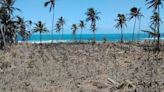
(105, 67)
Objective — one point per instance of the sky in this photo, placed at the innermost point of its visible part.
(74, 10)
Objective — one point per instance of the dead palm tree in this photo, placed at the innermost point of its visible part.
(92, 15)
(61, 22)
(135, 13)
(82, 26)
(40, 27)
(52, 6)
(155, 4)
(74, 29)
(121, 22)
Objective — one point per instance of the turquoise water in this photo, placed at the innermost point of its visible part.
(85, 37)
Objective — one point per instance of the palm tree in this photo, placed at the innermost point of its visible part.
(58, 28)
(155, 18)
(82, 26)
(92, 15)
(121, 22)
(8, 5)
(2, 12)
(6, 10)
(21, 25)
(52, 6)
(152, 33)
(155, 4)
(135, 13)
(61, 22)
(40, 27)
(139, 26)
(74, 29)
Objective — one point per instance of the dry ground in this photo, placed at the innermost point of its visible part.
(110, 67)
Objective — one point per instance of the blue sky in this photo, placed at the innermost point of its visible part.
(74, 10)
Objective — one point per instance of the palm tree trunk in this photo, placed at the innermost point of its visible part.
(62, 33)
(75, 37)
(40, 38)
(3, 36)
(94, 36)
(121, 35)
(52, 25)
(158, 37)
(59, 36)
(139, 29)
(81, 35)
(134, 29)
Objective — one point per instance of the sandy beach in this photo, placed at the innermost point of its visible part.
(73, 67)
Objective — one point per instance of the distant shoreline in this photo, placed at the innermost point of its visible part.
(83, 41)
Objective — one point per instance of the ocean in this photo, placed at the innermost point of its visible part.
(47, 38)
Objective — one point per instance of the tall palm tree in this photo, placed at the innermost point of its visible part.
(61, 22)
(82, 26)
(92, 15)
(121, 22)
(135, 13)
(139, 26)
(58, 28)
(52, 6)
(155, 4)
(40, 27)
(74, 29)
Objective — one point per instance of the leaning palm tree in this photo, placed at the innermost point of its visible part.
(82, 26)
(121, 22)
(151, 33)
(52, 6)
(135, 13)
(74, 29)
(61, 22)
(40, 27)
(155, 4)
(92, 15)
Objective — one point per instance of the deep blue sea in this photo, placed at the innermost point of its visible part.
(85, 37)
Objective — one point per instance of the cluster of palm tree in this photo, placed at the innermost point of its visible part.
(135, 13)
(155, 19)
(121, 21)
(92, 15)
(75, 27)
(59, 26)
(11, 26)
